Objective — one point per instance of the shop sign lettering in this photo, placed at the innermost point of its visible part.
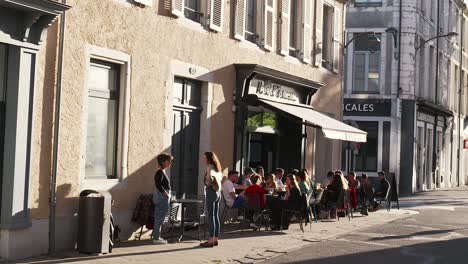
(267, 89)
(367, 107)
(359, 107)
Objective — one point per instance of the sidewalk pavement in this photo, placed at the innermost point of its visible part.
(234, 247)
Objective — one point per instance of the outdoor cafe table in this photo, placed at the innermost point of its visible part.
(184, 202)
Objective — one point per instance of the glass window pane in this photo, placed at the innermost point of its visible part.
(251, 13)
(177, 91)
(102, 77)
(3, 69)
(366, 158)
(293, 25)
(100, 140)
(192, 10)
(359, 71)
(373, 72)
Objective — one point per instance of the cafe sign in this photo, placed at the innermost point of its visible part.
(367, 107)
(272, 91)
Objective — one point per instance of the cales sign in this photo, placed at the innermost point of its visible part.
(367, 107)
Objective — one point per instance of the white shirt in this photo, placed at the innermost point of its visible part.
(228, 188)
(279, 184)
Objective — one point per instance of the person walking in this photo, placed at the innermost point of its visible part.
(212, 180)
(161, 196)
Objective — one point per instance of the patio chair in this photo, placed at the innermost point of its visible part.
(224, 214)
(172, 218)
(294, 213)
(386, 199)
(252, 205)
(314, 202)
(344, 204)
(197, 215)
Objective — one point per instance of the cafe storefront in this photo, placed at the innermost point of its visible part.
(273, 120)
(374, 117)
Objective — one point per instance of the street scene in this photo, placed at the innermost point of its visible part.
(233, 131)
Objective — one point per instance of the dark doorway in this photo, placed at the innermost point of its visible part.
(185, 136)
(262, 150)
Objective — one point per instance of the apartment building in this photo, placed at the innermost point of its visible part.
(406, 86)
(258, 82)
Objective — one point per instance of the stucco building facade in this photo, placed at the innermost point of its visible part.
(141, 77)
(406, 86)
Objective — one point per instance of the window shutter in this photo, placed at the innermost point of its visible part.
(269, 21)
(177, 8)
(337, 33)
(284, 27)
(239, 23)
(318, 36)
(216, 9)
(306, 31)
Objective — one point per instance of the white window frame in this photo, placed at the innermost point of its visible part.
(122, 59)
(328, 65)
(366, 72)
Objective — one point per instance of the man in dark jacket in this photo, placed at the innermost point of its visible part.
(383, 187)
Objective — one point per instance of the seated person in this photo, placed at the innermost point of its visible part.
(248, 173)
(366, 195)
(256, 189)
(270, 183)
(279, 174)
(328, 180)
(302, 179)
(229, 190)
(292, 201)
(353, 187)
(382, 189)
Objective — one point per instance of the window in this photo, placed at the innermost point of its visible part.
(359, 3)
(422, 69)
(102, 122)
(457, 25)
(366, 158)
(3, 72)
(455, 89)
(433, 9)
(293, 28)
(431, 86)
(367, 64)
(327, 54)
(192, 10)
(251, 21)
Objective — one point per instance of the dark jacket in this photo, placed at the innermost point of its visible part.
(384, 184)
(162, 182)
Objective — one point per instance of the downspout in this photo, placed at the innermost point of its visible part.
(460, 93)
(435, 154)
(58, 90)
(399, 48)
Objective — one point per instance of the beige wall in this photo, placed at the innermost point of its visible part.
(153, 40)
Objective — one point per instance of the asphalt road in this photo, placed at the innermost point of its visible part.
(437, 234)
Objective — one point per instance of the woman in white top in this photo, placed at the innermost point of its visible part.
(212, 179)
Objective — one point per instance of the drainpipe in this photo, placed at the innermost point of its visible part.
(399, 48)
(460, 93)
(435, 150)
(53, 181)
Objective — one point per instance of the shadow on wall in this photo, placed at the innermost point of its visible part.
(139, 181)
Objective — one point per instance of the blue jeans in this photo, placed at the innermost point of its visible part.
(161, 207)
(212, 210)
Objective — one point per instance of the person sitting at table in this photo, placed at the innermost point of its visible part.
(303, 184)
(279, 174)
(270, 183)
(292, 201)
(333, 192)
(257, 190)
(353, 187)
(248, 173)
(383, 186)
(328, 180)
(260, 172)
(366, 195)
(229, 190)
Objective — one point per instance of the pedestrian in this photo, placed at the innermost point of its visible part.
(212, 180)
(161, 196)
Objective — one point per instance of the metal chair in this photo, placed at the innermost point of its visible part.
(296, 213)
(171, 218)
(226, 209)
(252, 205)
(388, 202)
(197, 214)
(345, 200)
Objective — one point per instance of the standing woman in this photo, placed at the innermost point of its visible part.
(212, 179)
(161, 196)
